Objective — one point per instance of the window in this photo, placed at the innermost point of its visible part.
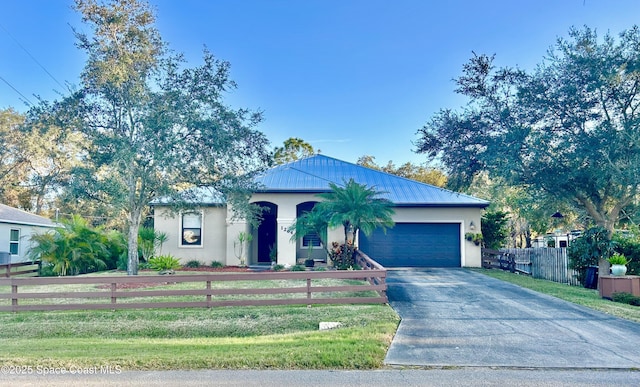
(311, 240)
(191, 229)
(14, 242)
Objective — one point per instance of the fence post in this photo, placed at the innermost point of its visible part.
(308, 290)
(14, 300)
(209, 294)
(113, 292)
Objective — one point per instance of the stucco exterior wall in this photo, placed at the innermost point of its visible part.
(220, 231)
(287, 204)
(214, 235)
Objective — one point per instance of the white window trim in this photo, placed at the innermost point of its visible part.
(16, 242)
(201, 245)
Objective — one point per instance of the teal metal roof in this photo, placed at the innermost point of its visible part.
(313, 174)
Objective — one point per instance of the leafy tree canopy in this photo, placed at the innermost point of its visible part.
(293, 149)
(408, 170)
(156, 128)
(569, 128)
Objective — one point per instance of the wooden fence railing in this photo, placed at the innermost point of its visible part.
(19, 268)
(546, 263)
(495, 259)
(369, 264)
(200, 290)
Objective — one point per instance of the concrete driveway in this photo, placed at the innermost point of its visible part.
(456, 317)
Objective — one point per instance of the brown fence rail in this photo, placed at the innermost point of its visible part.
(126, 292)
(19, 268)
(545, 263)
(494, 259)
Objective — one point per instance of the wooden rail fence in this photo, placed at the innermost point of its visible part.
(495, 259)
(19, 268)
(206, 290)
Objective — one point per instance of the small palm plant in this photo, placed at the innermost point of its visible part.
(72, 248)
(311, 222)
(239, 246)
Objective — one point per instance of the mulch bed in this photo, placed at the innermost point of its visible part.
(224, 269)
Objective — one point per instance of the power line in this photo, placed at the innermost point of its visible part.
(32, 57)
(17, 91)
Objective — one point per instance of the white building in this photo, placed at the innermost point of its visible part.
(16, 229)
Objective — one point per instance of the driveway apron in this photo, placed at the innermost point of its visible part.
(457, 317)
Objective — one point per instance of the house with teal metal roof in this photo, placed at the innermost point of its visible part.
(429, 232)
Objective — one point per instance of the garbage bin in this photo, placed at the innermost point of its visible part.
(591, 278)
(5, 257)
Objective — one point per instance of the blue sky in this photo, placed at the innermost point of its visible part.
(351, 77)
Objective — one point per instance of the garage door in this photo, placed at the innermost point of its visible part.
(415, 245)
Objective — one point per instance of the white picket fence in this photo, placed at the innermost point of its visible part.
(546, 263)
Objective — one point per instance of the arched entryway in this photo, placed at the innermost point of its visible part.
(267, 232)
(310, 245)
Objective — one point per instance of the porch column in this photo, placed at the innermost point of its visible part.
(286, 247)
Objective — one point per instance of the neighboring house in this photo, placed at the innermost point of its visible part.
(16, 228)
(429, 231)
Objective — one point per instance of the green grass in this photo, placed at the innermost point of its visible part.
(273, 337)
(576, 294)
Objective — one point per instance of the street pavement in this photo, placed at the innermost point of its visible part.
(459, 328)
(461, 318)
(387, 378)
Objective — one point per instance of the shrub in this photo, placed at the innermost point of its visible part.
(277, 267)
(194, 263)
(298, 268)
(216, 264)
(164, 262)
(46, 270)
(494, 230)
(588, 249)
(629, 246)
(72, 248)
(123, 261)
(321, 268)
(342, 255)
(626, 298)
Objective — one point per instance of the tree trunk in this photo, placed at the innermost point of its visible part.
(134, 227)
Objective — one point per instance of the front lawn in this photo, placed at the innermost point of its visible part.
(278, 337)
(576, 294)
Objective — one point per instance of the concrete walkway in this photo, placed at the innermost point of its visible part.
(456, 317)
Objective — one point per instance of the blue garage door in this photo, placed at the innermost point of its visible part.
(415, 245)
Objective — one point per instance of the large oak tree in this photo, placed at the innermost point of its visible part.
(569, 128)
(157, 128)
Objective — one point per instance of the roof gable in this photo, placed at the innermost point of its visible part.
(314, 173)
(16, 216)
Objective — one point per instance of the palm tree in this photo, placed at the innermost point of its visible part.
(357, 208)
(72, 248)
(311, 222)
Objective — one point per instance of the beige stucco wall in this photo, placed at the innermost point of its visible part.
(220, 231)
(214, 235)
(287, 204)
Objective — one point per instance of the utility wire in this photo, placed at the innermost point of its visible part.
(32, 57)
(17, 91)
